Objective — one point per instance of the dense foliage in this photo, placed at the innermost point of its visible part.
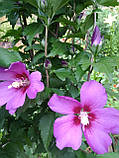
(54, 37)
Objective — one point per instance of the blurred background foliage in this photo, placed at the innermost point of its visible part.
(33, 31)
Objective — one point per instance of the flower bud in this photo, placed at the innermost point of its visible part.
(47, 64)
(81, 15)
(64, 63)
(96, 37)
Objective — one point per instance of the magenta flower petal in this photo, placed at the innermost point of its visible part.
(35, 76)
(18, 67)
(109, 119)
(16, 102)
(14, 69)
(2, 69)
(64, 105)
(93, 95)
(67, 134)
(5, 93)
(97, 138)
(35, 85)
(7, 75)
(96, 37)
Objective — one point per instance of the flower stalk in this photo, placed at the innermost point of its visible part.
(92, 58)
(46, 45)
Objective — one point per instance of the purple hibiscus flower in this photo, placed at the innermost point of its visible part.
(16, 82)
(96, 37)
(88, 116)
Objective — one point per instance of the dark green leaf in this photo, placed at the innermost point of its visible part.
(13, 17)
(56, 4)
(81, 154)
(7, 57)
(37, 57)
(63, 73)
(45, 126)
(32, 2)
(73, 91)
(14, 33)
(6, 6)
(3, 114)
(65, 153)
(79, 73)
(104, 68)
(106, 65)
(108, 2)
(89, 21)
(66, 22)
(59, 48)
(108, 155)
(31, 30)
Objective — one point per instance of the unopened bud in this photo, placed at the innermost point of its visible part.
(96, 37)
(80, 16)
(43, 3)
(47, 64)
(64, 63)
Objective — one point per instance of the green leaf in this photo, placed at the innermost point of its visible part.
(13, 17)
(79, 73)
(57, 91)
(36, 58)
(7, 57)
(113, 60)
(15, 33)
(108, 155)
(104, 68)
(56, 4)
(10, 150)
(3, 154)
(48, 10)
(32, 2)
(89, 21)
(81, 5)
(3, 114)
(84, 60)
(81, 154)
(66, 22)
(6, 6)
(108, 2)
(59, 48)
(31, 30)
(65, 153)
(63, 73)
(55, 82)
(34, 46)
(73, 91)
(45, 126)
(43, 96)
(106, 65)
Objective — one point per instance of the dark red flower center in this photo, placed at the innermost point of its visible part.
(21, 81)
(83, 116)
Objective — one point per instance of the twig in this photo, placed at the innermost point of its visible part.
(87, 40)
(94, 19)
(89, 73)
(46, 43)
(90, 69)
(46, 40)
